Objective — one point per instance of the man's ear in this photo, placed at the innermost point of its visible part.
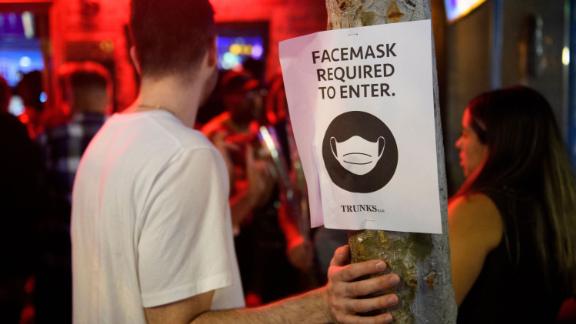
(212, 52)
(134, 59)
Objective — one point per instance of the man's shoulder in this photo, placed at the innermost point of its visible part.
(186, 138)
(160, 135)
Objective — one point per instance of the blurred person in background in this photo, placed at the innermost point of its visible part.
(268, 241)
(236, 130)
(86, 89)
(31, 91)
(21, 203)
(325, 241)
(512, 224)
(293, 190)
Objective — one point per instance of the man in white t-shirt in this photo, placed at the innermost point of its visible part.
(151, 226)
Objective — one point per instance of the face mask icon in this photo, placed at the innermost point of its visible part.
(356, 154)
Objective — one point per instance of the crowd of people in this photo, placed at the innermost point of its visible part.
(50, 252)
(157, 222)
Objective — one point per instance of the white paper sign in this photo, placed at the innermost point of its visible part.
(362, 109)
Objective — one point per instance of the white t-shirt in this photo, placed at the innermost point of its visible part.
(150, 221)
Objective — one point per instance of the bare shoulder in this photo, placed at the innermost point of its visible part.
(474, 206)
(476, 215)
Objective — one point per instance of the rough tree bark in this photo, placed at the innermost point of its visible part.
(422, 260)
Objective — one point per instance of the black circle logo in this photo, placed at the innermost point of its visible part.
(359, 152)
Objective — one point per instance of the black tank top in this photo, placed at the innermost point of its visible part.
(512, 286)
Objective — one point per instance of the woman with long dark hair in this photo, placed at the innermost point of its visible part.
(513, 222)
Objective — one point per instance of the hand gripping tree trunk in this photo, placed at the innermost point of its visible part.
(422, 260)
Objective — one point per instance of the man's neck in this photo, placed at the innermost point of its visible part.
(171, 94)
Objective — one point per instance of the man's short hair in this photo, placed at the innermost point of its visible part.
(85, 76)
(170, 36)
(82, 81)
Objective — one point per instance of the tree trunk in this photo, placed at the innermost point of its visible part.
(422, 260)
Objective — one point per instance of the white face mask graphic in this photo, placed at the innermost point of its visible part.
(356, 154)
